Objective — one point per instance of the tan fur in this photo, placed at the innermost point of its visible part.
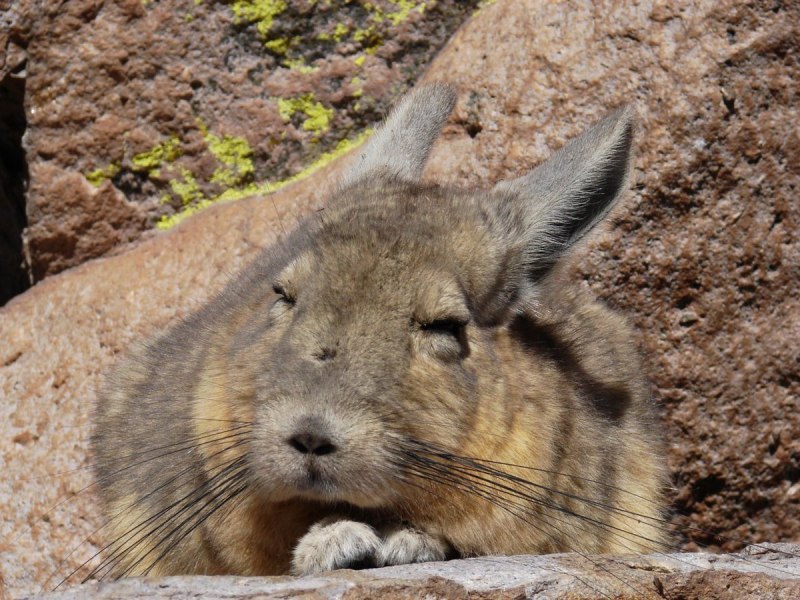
(407, 377)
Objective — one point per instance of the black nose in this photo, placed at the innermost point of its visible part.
(307, 442)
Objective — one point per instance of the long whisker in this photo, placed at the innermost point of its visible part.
(510, 508)
(152, 449)
(147, 528)
(544, 503)
(404, 471)
(652, 520)
(154, 523)
(119, 542)
(188, 446)
(221, 489)
(467, 467)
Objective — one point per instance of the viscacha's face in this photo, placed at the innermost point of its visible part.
(372, 343)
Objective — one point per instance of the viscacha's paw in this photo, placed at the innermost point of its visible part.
(330, 545)
(405, 545)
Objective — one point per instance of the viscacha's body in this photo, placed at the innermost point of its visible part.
(407, 377)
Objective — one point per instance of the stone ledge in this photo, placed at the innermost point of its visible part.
(765, 571)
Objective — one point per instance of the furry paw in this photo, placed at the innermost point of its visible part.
(331, 544)
(405, 545)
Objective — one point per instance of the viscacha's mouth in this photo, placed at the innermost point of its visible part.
(322, 488)
(317, 486)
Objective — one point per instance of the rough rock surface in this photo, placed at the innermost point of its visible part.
(704, 257)
(758, 574)
(166, 105)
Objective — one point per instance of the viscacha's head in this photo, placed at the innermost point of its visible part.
(406, 376)
(388, 320)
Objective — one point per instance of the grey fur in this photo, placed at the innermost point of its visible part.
(566, 196)
(404, 545)
(335, 544)
(350, 395)
(401, 146)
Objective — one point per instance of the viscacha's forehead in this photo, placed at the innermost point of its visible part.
(404, 246)
(391, 221)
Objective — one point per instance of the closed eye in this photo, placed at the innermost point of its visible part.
(451, 327)
(283, 296)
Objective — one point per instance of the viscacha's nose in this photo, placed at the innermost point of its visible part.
(312, 438)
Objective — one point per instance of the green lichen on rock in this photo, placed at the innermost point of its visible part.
(340, 31)
(403, 10)
(336, 35)
(186, 188)
(318, 117)
(260, 12)
(299, 64)
(299, 35)
(235, 155)
(364, 25)
(98, 176)
(279, 46)
(151, 160)
(358, 84)
(253, 189)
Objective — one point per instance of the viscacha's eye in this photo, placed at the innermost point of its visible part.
(451, 327)
(283, 296)
(445, 338)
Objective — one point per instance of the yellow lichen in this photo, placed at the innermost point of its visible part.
(187, 190)
(260, 12)
(317, 115)
(252, 189)
(152, 159)
(233, 178)
(404, 8)
(279, 46)
(235, 155)
(357, 83)
(299, 65)
(368, 36)
(340, 31)
(360, 35)
(98, 176)
(169, 221)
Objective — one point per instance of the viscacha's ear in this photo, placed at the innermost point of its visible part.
(561, 200)
(400, 147)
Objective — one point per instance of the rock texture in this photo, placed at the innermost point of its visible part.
(704, 257)
(164, 106)
(757, 575)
